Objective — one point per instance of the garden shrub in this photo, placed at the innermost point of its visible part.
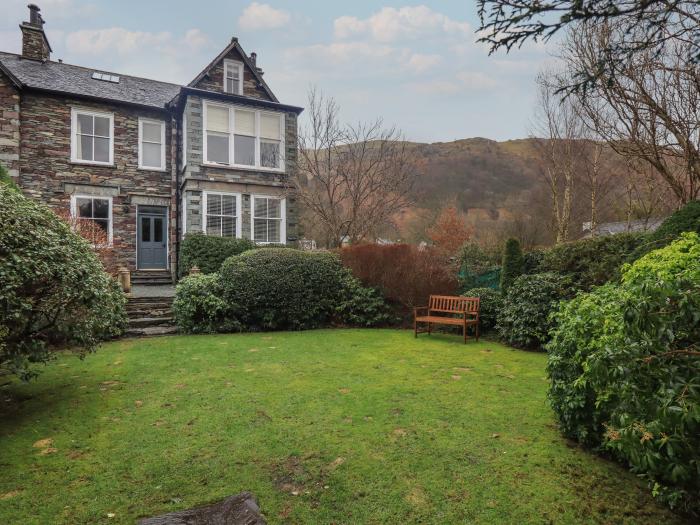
(359, 305)
(583, 325)
(199, 307)
(594, 261)
(7, 180)
(640, 368)
(687, 219)
(208, 252)
(280, 289)
(512, 265)
(53, 289)
(404, 274)
(524, 319)
(276, 289)
(490, 305)
(532, 261)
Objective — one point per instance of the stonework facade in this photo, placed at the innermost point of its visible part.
(50, 110)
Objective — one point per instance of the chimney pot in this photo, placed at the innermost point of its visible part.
(34, 15)
(253, 57)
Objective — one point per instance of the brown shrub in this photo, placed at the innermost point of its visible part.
(96, 236)
(405, 274)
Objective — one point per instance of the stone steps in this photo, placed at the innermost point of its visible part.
(149, 316)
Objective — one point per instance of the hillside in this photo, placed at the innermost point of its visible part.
(488, 181)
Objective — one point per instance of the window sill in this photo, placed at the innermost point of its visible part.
(243, 167)
(159, 170)
(92, 163)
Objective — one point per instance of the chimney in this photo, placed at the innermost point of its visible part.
(253, 57)
(35, 45)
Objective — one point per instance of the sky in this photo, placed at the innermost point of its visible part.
(415, 65)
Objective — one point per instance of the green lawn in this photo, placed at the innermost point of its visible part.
(329, 426)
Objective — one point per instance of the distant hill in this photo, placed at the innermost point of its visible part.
(487, 180)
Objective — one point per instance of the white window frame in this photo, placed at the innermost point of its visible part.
(232, 131)
(283, 218)
(239, 211)
(74, 112)
(239, 65)
(160, 123)
(74, 210)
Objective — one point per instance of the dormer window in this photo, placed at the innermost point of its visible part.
(233, 77)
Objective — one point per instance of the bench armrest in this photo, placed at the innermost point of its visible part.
(416, 309)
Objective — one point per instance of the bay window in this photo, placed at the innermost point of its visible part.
(242, 137)
(268, 219)
(92, 137)
(222, 214)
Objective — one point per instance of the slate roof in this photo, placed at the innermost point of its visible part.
(613, 228)
(67, 79)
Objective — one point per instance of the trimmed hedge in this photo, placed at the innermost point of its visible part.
(276, 289)
(53, 289)
(625, 370)
(209, 252)
(404, 274)
(490, 304)
(524, 319)
(592, 262)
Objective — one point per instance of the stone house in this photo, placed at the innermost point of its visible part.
(150, 161)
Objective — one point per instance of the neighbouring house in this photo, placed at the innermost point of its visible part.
(613, 228)
(150, 161)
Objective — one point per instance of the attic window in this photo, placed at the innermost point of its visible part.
(233, 77)
(106, 77)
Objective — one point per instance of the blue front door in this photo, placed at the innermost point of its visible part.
(152, 238)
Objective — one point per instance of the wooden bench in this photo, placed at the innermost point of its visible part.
(460, 311)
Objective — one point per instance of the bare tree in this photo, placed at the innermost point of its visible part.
(647, 110)
(352, 179)
(558, 132)
(647, 26)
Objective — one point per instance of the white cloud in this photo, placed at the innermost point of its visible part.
(196, 39)
(343, 52)
(263, 16)
(462, 81)
(421, 63)
(390, 24)
(114, 39)
(474, 80)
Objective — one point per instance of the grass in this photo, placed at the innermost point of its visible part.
(329, 426)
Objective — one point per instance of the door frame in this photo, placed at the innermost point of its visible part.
(167, 238)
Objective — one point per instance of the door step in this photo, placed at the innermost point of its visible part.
(151, 278)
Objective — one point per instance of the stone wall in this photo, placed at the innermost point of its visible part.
(48, 175)
(9, 126)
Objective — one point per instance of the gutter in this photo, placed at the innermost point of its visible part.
(238, 99)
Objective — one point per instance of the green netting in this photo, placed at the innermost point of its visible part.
(488, 279)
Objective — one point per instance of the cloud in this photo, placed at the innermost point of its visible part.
(114, 39)
(461, 82)
(390, 24)
(343, 52)
(196, 39)
(421, 63)
(263, 16)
